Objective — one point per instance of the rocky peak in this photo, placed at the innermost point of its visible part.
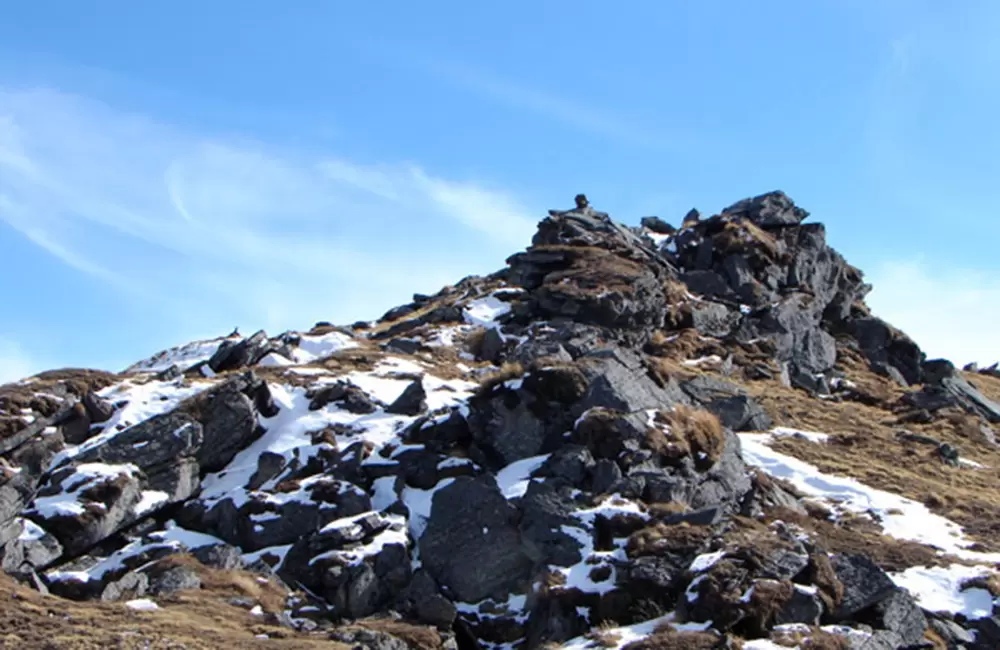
(578, 449)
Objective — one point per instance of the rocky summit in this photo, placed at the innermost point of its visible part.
(649, 437)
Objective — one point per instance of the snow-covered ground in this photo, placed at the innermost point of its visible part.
(935, 588)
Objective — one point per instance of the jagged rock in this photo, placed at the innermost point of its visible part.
(165, 581)
(657, 225)
(130, 586)
(262, 523)
(360, 637)
(233, 354)
(729, 402)
(219, 556)
(713, 319)
(357, 563)
(163, 446)
(32, 549)
(515, 420)
(953, 634)
(553, 620)
(571, 463)
(82, 505)
(544, 512)
(618, 380)
(350, 397)
(889, 351)
(413, 400)
(804, 606)
(228, 417)
(472, 544)
(773, 209)
(98, 409)
(269, 465)
(424, 602)
(864, 583)
(900, 613)
(15, 492)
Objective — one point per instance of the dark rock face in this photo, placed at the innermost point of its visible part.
(413, 400)
(228, 416)
(768, 210)
(864, 583)
(244, 353)
(472, 544)
(888, 350)
(104, 502)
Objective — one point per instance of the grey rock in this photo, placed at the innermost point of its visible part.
(99, 410)
(423, 601)
(229, 421)
(740, 413)
(130, 586)
(219, 556)
(269, 465)
(15, 492)
(359, 638)
(234, 354)
(171, 580)
(713, 319)
(888, 350)
(157, 441)
(657, 225)
(544, 512)
(493, 346)
(472, 544)
(403, 346)
(606, 474)
(618, 380)
(951, 632)
(865, 584)
(413, 400)
(879, 640)
(707, 283)
(571, 463)
(773, 209)
(803, 607)
(23, 554)
(107, 505)
(900, 613)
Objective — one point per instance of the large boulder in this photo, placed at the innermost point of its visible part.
(80, 505)
(773, 209)
(472, 545)
(228, 414)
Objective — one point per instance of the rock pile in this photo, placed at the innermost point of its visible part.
(579, 482)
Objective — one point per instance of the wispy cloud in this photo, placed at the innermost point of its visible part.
(950, 313)
(234, 230)
(574, 112)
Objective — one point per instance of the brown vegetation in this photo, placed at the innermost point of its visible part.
(508, 371)
(688, 431)
(417, 637)
(661, 539)
(195, 620)
(674, 640)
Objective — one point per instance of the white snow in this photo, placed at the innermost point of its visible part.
(277, 551)
(394, 534)
(939, 589)
(142, 605)
(67, 502)
(419, 503)
(485, 311)
(314, 348)
(151, 499)
(712, 358)
(383, 493)
(631, 633)
(514, 479)
(183, 356)
(706, 561)
(900, 517)
(30, 531)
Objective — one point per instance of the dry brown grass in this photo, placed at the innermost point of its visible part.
(35, 394)
(417, 637)
(660, 539)
(590, 270)
(196, 620)
(506, 372)
(865, 446)
(689, 431)
(814, 639)
(674, 640)
(662, 509)
(743, 236)
(987, 385)
(268, 593)
(603, 638)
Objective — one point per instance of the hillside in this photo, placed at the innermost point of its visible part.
(649, 438)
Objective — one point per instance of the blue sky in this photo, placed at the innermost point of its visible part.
(171, 170)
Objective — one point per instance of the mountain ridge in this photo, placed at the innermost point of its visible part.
(617, 431)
